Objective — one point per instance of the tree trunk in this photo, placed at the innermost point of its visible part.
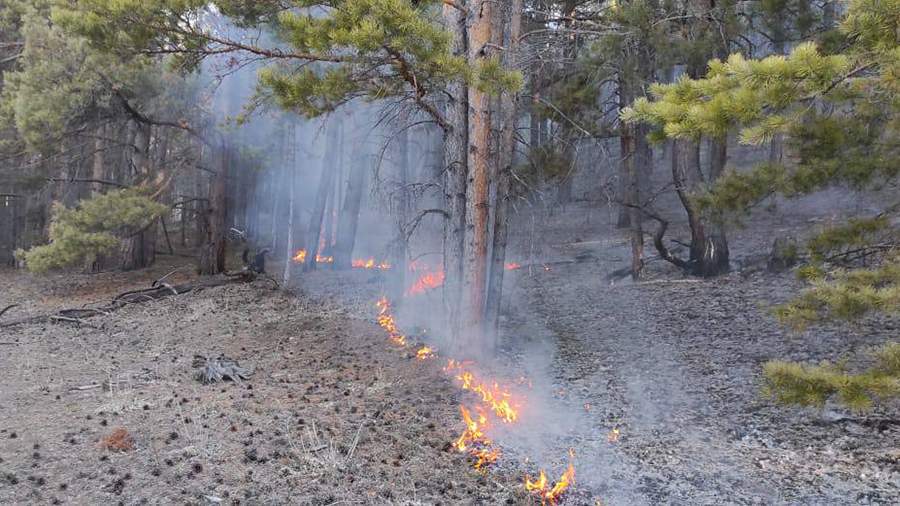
(349, 217)
(200, 207)
(326, 181)
(478, 182)
(333, 204)
(400, 252)
(212, 252)
(685, 163)
(715, 259)
(455, 162)
(290, 179)
(139, 250)
(509, 114)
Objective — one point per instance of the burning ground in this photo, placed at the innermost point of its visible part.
(333, 413)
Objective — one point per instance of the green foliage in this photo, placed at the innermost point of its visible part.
(338, 50)
(61, 83)
(792, 383)
(846, 295)
(856, 234)
(837, 111)
(94, 228)
(762, 96)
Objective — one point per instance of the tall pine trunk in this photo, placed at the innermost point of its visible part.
(455, 161)
(480, 155)
(509, 114)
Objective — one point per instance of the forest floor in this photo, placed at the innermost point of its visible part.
(332, 414)
(673, 365)
(652, 389)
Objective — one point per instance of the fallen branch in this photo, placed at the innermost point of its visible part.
(7, 308)
(130, 297)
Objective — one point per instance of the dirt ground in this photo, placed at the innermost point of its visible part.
(332, 414)
(651, 389)
(674, 364)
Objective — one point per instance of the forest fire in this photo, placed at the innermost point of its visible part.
(370, 263)
(426, 282)
(474, 442)
(492, 395)
(424, 353)
(550, 495)
(359, 263)
(386, 320)
(495, 399)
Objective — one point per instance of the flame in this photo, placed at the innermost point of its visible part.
(370, 263)
(511, 266)
(613, 435)
(300, 256)
(427, 281)
(551, 495)
(498, 399)
(387, 322)
(474, 442)
(425, 353)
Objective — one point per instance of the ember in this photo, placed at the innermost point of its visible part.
(511, 266)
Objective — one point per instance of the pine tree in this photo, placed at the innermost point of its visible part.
(839, 113)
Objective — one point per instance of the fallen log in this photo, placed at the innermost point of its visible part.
(159, 291)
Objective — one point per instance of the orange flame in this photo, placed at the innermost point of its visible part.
(474, 442)
(425, 353)
(498, 399)
(511, 266)
(550, 495)
(428, 281)
(386, 321)
(300, 257)
(370, 263)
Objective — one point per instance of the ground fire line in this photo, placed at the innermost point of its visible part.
(495, 400)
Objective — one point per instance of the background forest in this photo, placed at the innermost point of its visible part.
(428, 140)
